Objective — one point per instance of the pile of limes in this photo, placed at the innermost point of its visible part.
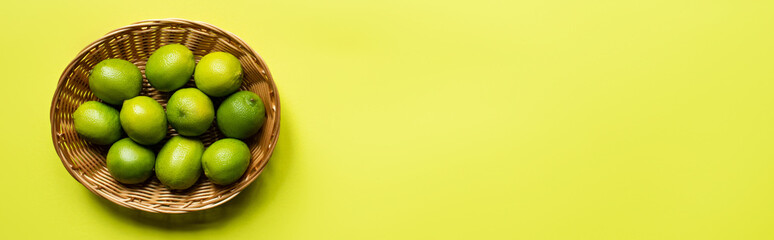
(190, 111)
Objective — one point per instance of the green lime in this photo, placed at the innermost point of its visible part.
(170, 67)
(179, 162)
(97, 122)
(218, 74)
(144, 120)
(241, 115)
(226, 160)
(115, 80)
(190, 112)
(130, 162)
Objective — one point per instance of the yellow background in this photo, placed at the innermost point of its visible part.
(407, 119)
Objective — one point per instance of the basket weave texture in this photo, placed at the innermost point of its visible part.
(86, 161)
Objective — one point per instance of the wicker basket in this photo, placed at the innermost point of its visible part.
(86, 161)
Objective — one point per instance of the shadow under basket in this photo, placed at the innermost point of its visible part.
(86, 161)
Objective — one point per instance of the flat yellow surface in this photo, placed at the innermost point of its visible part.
(442, 120)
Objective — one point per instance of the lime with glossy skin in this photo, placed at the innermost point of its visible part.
(170, 67)
(144, 120)
(190, 112)
(226, 160)
(241, 115)
(115, 80)
(218, 74)
(179, 162)
(97, 122)
(129, 162)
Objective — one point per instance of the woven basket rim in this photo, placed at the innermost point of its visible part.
(148, 23)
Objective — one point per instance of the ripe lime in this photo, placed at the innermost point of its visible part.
(241, 115)
(179, 162)
(144, 120)
(129, 162)
(115, 80)
(218, 74)
(170, 67)
(97, 122)
(190, 112)
(226, 160)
